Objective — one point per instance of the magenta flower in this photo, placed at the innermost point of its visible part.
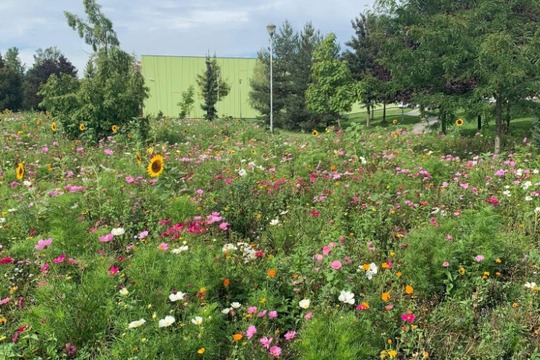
(408, 317)
(224, 226)
(265, 341)
(289, 335)
(261, 314)
(275, 351)
(5, 301)
(326, 250)
(106, 238)
(336, 265)
(42, 244)
(60, 259)
(113, 270)
(272, 314)
(108, 152)
(252, 330)
(252, 310)
(44, 267)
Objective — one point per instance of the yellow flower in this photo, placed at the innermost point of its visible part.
(20, 171)
(409, 289)
(81, 127)
(38, 122)
(461, 271)
(114, 128)
(394, 121)
(201, 351)
(392, 354)
(498, 260)
(315, 133)
(459, 122)
(3, 320)
(150, 150)
(155, 166)
(385, 265)
(385, 296)
(53, 127)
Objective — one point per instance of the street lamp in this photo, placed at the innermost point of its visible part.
(271, 28)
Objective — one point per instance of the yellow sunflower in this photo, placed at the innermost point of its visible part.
(315, 133)
(53, 127)
(114, 128)
(155, 166)
(20, 171)
(459, 122)
(81, 127)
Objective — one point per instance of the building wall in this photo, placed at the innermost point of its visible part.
(168, 76)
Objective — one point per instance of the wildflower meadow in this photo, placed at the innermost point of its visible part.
(219, 240)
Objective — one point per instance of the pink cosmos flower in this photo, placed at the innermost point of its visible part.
(129, 179)
(445, 264)
(336, 265)
(479, 258)
(252, 330)
(326, 250)
(163, 246)
(106, 238)
(42, 244)
(275, 351)
(5, 301)
(308, 316)
(261, 314)
(265, 341)
(272, 314)
(113, 270)
(224, 226)
(44, 268)
(319, 257)
(108, 152)
(289, 335)
(434, 222)
(59, 259)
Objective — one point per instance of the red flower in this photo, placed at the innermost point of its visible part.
(6, 260)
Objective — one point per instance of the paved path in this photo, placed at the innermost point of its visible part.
(423, 126)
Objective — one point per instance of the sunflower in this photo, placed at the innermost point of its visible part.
(114, 128)
(53, 127)
(20, 171)
(394, 121)
(81, 127)
(155, 166)
(459, 122)
(315, 133)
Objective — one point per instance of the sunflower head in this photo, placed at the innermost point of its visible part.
(81, 127)
(20, 171)
(459, 122)
(114, 128)
(53, 127)
(315, 133)
(155, 166)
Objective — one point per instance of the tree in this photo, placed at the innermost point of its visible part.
(46, 62)
(330, 92)
(212, 88)
(186, 105)
(11, 81)
(292, 60)
(97, 31)
(112, 90)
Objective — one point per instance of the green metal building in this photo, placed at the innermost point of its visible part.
(168, 77)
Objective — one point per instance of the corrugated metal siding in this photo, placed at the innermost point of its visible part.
(168, 76)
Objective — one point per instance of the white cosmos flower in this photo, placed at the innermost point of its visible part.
(136, 324)
(118, 231)
(304, 304)
(180, 249)
(226, 311)
(531, 285)
(178, 296)
(242, 172)
(167, 321)
(124, 291)
(346, 297)
(274, 221)
(373, 270)
(236, 305)
(197, 320)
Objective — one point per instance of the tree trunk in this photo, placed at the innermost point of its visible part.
(368, 107)
(507, 125)
(498, 124)
(442, 118)
(479, 122)
(384, 112)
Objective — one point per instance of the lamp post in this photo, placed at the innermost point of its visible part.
(271, 28)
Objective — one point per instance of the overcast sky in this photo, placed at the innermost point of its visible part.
(234, 28)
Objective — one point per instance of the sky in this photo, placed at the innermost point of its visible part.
(233, 28)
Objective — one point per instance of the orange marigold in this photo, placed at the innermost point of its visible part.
(409, 289)
(385, 296)
(271, 273)
(237, 337)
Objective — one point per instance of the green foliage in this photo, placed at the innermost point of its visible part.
(331, 93)
(11, 75)
(186, 105)
(346, 337)
(212, 88)
(112, 92)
